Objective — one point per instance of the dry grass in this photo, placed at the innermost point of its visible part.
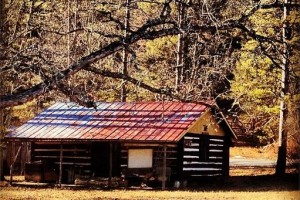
(29, 193)
(238, 187)
(267, 152)
(251, 171)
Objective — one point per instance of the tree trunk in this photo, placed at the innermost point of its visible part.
(282, 144)
(125, 52)
(2, 18)
(180, 46)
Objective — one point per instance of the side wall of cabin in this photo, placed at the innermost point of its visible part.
(205, 155)
(206, 148)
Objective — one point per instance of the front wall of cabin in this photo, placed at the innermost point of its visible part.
(155, 169)
(92, 159)
(76, 160)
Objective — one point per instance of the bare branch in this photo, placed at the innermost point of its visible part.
(152, 29)
(47, 85)
(128, 78)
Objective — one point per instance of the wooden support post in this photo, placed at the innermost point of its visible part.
(164, 168)
(225, 166)
(13, 163)
(28, 155)
(23, 157)
(1, 164)
(110, 164)
(60, 164)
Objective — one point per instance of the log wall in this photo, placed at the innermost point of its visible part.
(158, 155)
(215, 163)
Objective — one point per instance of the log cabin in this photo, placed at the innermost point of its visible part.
(170, 141)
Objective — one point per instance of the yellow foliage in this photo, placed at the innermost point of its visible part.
(150, 8)
(160, 46)
(25, 111)
(265, 21)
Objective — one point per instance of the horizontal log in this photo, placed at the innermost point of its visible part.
(191, 137)
(74, 163)
(191, 153)
(203, 172)
(70, 157)
(216, 147)
(216, 150)
(196, 159)
(195, 152)
(191, 149)
(202, 169)
(198, 136)
(137, 145)
(168, 151)
(168, 158)
(201, 163)
(197, 162)
(196, 155)
(216, 141)
(205, 175)
(69, 143)
(214, 158)
(216, 137)
(193, 145)
(216, 154)
(66, 150)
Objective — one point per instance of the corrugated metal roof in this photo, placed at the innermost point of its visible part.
(142, 121)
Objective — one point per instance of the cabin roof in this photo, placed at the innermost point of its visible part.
(141, 121)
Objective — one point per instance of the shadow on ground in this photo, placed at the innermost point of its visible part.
(287, 182)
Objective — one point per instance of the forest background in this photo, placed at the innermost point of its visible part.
(229, 51)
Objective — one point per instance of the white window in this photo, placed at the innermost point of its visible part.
(140, 158)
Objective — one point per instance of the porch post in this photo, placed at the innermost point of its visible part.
(110, 164)
(225, 166)
(164, 168)
(13, 163)
(60, 163)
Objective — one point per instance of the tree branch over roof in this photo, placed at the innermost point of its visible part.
(134, 81)
(152, 29)
(142, 33)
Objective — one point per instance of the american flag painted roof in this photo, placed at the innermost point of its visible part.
(140, 121)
